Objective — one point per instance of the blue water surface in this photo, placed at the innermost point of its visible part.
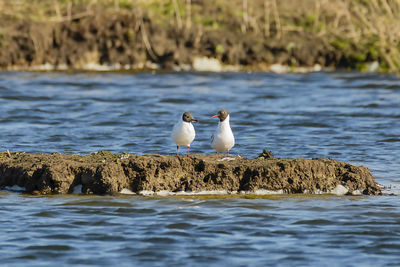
(350, 117)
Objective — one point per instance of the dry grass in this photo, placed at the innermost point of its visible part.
(368, 29)
(374, 25)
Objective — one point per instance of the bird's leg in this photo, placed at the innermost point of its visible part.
(177, 151)
(227, 153)
(188, 151)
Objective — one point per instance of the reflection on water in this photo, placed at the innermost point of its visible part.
(345, 116)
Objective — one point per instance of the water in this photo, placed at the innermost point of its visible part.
(346, 116)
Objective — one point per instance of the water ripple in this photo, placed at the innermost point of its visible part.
(349, 116)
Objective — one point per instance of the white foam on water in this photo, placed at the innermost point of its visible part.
(77, 189)
(127, 191)
(268, 192)
(212, 192)
(227, 159)
(207, 64)
(186, 193)
(320, 192)
(91, 65)
(278, 68)
(163, 193)
(146, 193)
(202, 193)
(15, 188)
(340, 190)
(357, 192)
(181, 193)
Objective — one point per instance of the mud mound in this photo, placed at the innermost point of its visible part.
(106, 173)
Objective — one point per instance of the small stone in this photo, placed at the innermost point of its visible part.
(340, 190)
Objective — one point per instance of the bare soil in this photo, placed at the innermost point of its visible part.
(126, 40)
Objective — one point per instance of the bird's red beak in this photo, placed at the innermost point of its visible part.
(214, 116)
(195, 120)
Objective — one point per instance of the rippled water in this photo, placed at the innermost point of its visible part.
(346, 116)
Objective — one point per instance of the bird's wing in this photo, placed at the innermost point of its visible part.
(175, 130)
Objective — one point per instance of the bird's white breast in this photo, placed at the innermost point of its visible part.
(183, 133)
(223, 139)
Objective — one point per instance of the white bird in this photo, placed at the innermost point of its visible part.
(223, 139)
(183, 132)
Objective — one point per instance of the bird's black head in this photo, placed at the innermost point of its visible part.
(188, 117)
(222, 115)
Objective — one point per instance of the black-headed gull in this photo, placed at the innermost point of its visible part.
(183, 132)
(223, 139)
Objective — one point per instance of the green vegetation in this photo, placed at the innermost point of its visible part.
(363, 31)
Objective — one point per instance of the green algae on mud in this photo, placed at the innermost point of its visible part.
(108, 173)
